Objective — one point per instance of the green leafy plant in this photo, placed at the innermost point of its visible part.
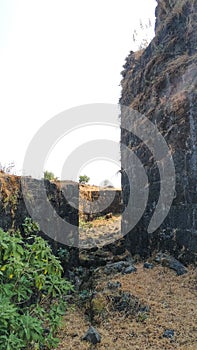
(48, 175)
(30, 227)
(32, 291)
(83, 179)
(64, 255)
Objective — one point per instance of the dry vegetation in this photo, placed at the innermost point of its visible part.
(9, 191)
(172, 300)
(97, 231)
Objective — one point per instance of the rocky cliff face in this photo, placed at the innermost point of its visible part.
(160, 82)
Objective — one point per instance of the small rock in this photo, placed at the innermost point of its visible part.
(116, 267)
(122, 302)
(125, 303)
(46, 331)
(129, 269)
(158, 258)
(74, 335)
(92, 336)
(147, 265)
(177, 266)
(171, 263)
(108, 216)
(169, 333)
(145, 308)
(113, 285)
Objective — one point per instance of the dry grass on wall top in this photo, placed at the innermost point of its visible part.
(9, 191)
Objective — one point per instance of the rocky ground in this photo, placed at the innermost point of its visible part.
(100, 232)
(131, 305)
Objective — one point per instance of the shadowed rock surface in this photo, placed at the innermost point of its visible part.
(160, 83)
(13, 211)
(92, 336)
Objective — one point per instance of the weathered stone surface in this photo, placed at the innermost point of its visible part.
(129, 269)
(94, 257)
(160, 83)
(177, 266)
(127, 304)
(92, 336)
(113, 285)
(92, 202)
(125, 267)
(116, 267)
(169, 333)
(13, 211)
(171, 262)
(148, 265)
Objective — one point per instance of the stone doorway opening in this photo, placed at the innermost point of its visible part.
(99, 225)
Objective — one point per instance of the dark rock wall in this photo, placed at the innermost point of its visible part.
(96, 199)
(160, 82)
(13, 209)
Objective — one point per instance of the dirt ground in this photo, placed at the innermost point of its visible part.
(100, 232)
(171, 299)
(173, 305)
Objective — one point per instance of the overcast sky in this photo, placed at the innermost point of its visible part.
(58, 54)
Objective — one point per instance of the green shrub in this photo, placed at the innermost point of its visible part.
(83, 179)
(32, 291)
(48, 175)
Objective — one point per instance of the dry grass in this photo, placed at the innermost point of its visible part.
(101, 230)
(9, 191)
(174, 10)
(172, 302)
(9, 184)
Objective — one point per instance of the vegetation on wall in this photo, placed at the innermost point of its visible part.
(83, 179)
(48, 175)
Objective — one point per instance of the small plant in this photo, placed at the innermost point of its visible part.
(30, 226)
(85, 298)
(32, 291)
(142, 317)
(64, 256)
(48, 175)
(83, 179)
(85, 225)
(143, 34)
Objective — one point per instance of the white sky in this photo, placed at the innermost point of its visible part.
(58, 54)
